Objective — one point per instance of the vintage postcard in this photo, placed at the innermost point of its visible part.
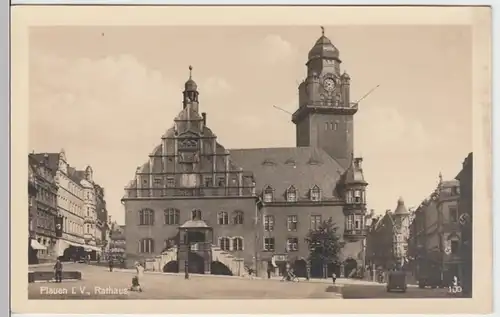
(266, 159)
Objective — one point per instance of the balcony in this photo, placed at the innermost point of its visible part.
(355, 234)
(88, 236)
(88, 219)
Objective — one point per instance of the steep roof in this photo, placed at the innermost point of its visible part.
(401, 208)
(51, 160)
(280, 168)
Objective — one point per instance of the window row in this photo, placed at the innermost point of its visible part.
(169, 182)
(292, 244)
(147, 245)
(356, 196)
(292, 222)
(291, 194)
(231, 244)
(171, 216)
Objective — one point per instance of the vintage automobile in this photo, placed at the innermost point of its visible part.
(396, 280)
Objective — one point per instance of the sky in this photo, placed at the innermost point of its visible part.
(107, 94)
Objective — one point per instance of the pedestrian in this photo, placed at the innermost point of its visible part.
(138, 279)
(268, 272)
(334, 277)
(110, 264)
(58, 267)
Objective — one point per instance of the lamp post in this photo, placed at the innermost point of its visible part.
(186, 262)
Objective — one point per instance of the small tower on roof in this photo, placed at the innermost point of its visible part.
(190, 92)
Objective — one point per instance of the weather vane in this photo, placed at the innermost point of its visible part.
(322, 31)
(190, 71)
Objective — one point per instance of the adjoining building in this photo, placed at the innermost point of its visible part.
(42, 191)
(435, 235)
(73, 219)
(197, 206)
(465, 210)
(387, 239)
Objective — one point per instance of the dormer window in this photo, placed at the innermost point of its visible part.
(268, 194)
(315, 193)
(291, 194)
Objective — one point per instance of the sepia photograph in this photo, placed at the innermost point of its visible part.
(274, 161)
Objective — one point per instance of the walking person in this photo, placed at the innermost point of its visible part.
(58, 267)
(138, 278)
(334, 277)
(110, 264)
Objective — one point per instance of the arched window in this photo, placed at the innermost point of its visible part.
(172, 216)
(238, 217)
(146, 217)
(146, 246)
(224, 243)
(223, 218)
(291, 194)
(315, 193)
(238, 244)
(196, 214)
(268, 194)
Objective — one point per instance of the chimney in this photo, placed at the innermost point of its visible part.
(204, 115)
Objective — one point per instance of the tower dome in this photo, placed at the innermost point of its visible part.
(190, 84)
(323, 48)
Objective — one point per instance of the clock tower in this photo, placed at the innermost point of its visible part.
(324, 118)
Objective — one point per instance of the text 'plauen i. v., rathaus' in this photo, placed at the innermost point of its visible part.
(197, 206)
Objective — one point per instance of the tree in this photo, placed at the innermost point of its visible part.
(325, 243)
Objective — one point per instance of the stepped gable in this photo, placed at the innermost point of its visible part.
(280, 168)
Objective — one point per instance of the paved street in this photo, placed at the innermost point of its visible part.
(98, 283)
(379, 291)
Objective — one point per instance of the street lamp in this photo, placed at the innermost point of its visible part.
(186, 262)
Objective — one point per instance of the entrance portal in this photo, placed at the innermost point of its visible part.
(196, 263)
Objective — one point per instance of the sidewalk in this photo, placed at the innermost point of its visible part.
(338, 282)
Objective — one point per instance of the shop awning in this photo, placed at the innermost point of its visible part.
(37, 245)
(75, 244)
(90, 248)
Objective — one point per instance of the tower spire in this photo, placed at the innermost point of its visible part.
(322, 31)
(190, 72)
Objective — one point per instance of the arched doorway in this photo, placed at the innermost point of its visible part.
(300, 268)
(171, 267)
(349, 266)
(196, 263)
(219, 268)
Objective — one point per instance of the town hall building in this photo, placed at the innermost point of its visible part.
(197, 206)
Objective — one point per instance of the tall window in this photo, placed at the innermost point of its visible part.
(269, 244)
(238, 217)
(224, 243)
(315, 222)
(196, 214)
(221, 181)
(292, 223)
(292, 244)
(455, 246)
(146, 217)
(291, 194)
(223, 218)
(357, 196)
(146, 245)
(238, 244)
(172, 216)
(315, 193)
(208, 181)
(268, 223)
(268, 194)
(452, 210)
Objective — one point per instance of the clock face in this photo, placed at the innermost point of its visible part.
(329, 84)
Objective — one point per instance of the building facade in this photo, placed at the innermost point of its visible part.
(465, 209)
(102, 223)
(43, 208)
(71, 203)
(387, 239)
(254, 205)
(435, 234)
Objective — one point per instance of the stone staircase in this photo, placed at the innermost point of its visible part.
(235, 265)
